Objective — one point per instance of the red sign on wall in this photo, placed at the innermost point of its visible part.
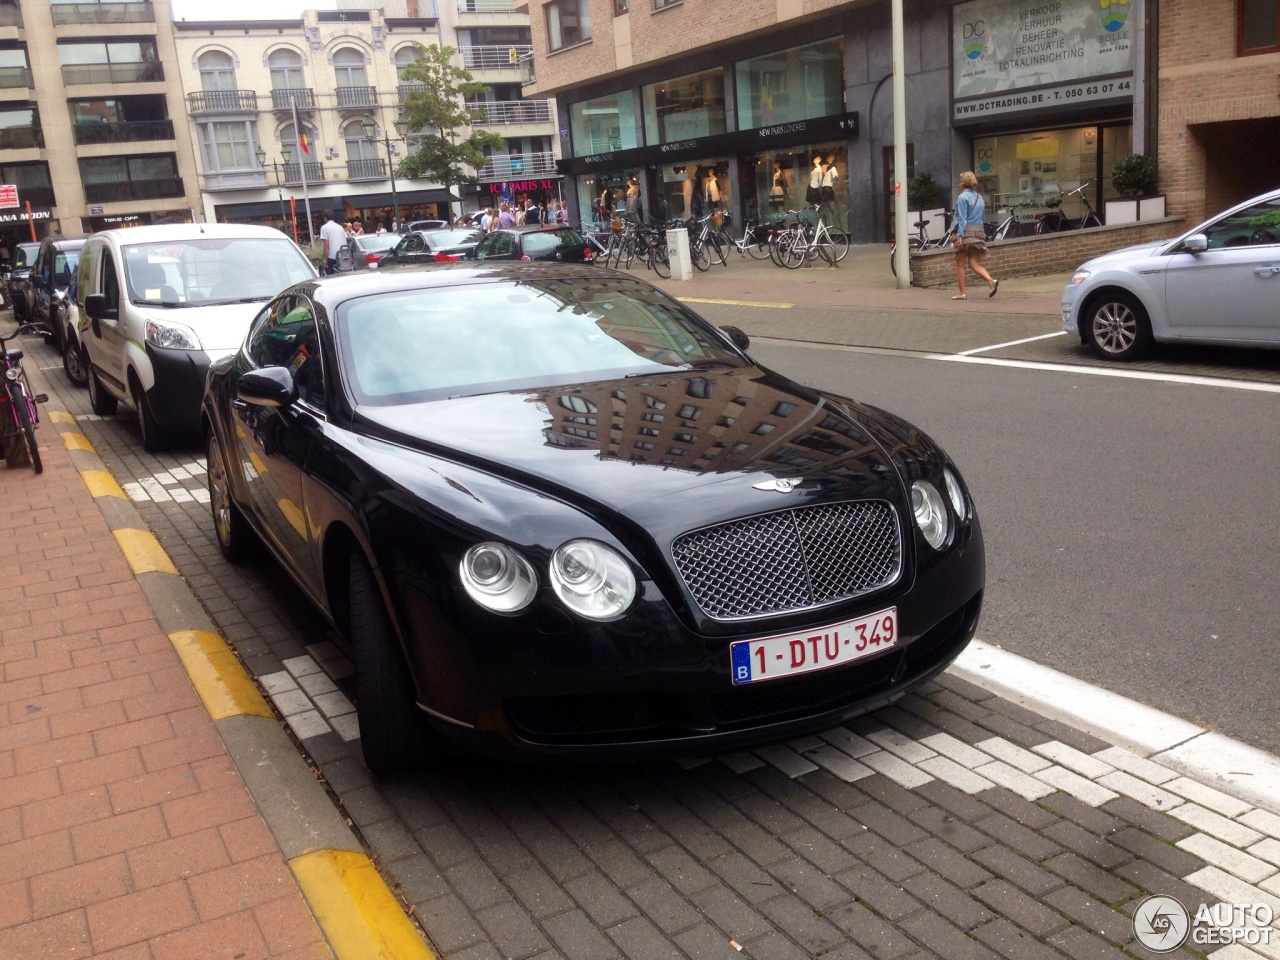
(8, 195)
(522, 186)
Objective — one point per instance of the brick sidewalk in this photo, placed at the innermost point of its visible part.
(125, 829)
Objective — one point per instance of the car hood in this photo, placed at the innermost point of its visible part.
(716, 440)
(221, 327)
(1123, 255)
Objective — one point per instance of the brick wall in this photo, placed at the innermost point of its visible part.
(1205, 89)
(1055, 253)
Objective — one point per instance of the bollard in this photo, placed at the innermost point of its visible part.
(678, 251)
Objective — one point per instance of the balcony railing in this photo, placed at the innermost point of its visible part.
(100, 132)
(366, 170)
(132, 190)
(222, 101)
(104, 73)
(237, 180)
(403, 91)
(18, 138)
(357, 96)
(516, 166)
(495, 56)
(12, 77)
(138, 12)
(303, 97)
(501, 112)
(486, 6)
(314, 171)
(10, 16)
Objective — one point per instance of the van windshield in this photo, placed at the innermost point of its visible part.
(207, 270)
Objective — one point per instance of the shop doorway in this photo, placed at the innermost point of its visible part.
(886, 166)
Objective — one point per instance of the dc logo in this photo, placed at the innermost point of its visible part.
(1113, 14)
(974, 37)
(1161, 924)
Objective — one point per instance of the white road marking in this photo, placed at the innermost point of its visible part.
(1107, 372)
(1011, 343)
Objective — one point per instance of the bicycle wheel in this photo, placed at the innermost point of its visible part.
(660, 261)
(758, 249)
(701, 256)
(718, 249)
(18, 399)
(627, 252)
(797, 254)
(778, 247)
(913, 243)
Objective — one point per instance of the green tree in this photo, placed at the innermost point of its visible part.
(435, 113)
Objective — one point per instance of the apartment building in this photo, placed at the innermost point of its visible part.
(287, 115)
(87, 135)
(675, 107)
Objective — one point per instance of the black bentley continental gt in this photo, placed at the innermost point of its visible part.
(556, 514)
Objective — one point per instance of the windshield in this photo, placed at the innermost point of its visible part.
(451, 238)
(208, 270)
(26, 254)
(413, 345)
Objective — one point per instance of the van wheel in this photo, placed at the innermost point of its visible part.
(393, 735)
(103, 403)
(74, 364)
(150, 432)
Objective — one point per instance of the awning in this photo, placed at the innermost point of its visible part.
(365, 200)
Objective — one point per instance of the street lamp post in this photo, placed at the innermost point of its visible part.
(370, 127)
(275, 169)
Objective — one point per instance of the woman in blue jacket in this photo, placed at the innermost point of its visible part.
(970, 234)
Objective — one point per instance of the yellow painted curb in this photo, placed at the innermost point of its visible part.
(60, 416)
(737, 303)
(102, 484)
(75, 440)
(358, 913)
(219, 678)
(143, 551)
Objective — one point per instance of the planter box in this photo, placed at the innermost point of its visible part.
(1151, 208)
(1116, 212)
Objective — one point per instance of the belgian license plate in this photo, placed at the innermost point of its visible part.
(795, 653)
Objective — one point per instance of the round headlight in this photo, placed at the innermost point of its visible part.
(930, 512)
(497, 577)
(13, 373)
(954, 493)
(592, 580)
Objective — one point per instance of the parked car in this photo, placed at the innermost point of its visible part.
(433, 246)
(566, 517)
(368, 249)
(158, 304)
(564, 244)
(50, 276)
(1217, 283)
(18, 286)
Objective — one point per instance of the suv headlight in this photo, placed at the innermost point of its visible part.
(173, 336)
(1080, 276)
(592, 580)
(930, 513)
(497, 577)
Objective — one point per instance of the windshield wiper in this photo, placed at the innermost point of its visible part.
(214, 303)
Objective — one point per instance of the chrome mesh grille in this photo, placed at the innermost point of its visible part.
(790, 560)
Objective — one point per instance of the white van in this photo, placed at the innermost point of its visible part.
(158, 304)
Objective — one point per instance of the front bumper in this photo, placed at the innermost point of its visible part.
(179, 377)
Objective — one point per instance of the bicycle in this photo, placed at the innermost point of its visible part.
(812, 238)
(22, 402)
(1055, 221)
(755, 241)
(1010, 224)
(707, 245)
(651, 243)
(922, 241)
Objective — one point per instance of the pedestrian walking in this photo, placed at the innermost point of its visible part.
(969, 234)
(333, 237)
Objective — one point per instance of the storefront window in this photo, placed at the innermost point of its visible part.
(605, 196)
(691, 189)
(778, 180)
(604, 125)
(1031, 168)
(684, 107)
(790, 85)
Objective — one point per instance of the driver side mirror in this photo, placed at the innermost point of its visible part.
(737, 337)
(268, 387)
(1196, 243)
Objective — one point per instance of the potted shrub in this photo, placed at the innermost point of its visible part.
(927, 199)
(1135, 178)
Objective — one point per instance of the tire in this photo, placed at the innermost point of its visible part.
(795, 256)
(839, 244)
(230, 527)
(913, 243)
(718, 249)
(393, 736)
(782, 243)
(759, 251)
(700, 256)
(103, 404)
(660, 260)
(74, 364)
(1117, 327)
(153, 440)
(19, 403)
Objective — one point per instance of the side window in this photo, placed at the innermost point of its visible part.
(485, 247)
(308, 371)
(288, 337)
(503, 245)
(110, 280)
(82, 278)
(412, 244)
(1258, 225)
(265, 347)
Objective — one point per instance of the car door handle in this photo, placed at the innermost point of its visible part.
(1269, 270)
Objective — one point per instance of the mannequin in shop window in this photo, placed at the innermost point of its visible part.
(633, 197)
(830, 176)
(778, 191)
(814, 192)
(711, 188)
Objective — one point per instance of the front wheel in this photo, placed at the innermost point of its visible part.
(148, 429)
(759, 249)
(74, 365)
(1117, 327)
(718, 249)
(103, 403)
(700, 256)
(393, 735)
(913, 243)
(18, 399)
(660, 261)
(839, 241)
(229, 525)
